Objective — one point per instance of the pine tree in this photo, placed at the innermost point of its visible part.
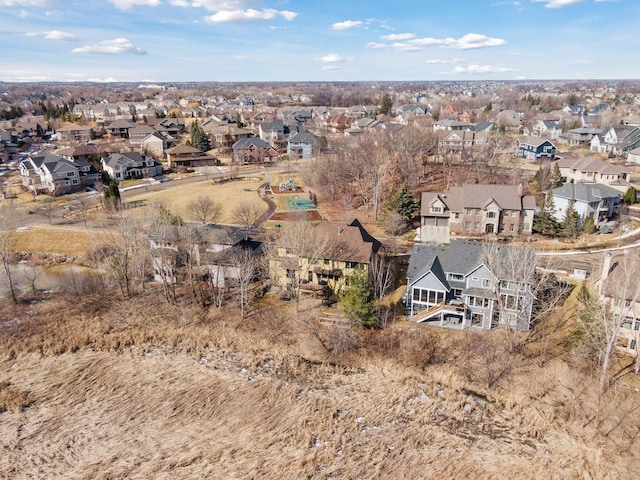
(402, 201)
(557, 176)
(629, 196)
(112, 196)
(198, 138)
(545, 222)
(358, 301)
(387, 104)
(571, 222)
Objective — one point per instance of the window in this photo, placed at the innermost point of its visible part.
(457, 292)
(351, 264)
(74, 181)
(632, 344)
(513, 213)
(511, 227)
(455, 276)
(486, 283)
(477, 226)
(436, 209)
(71, 174)
(327, 261)
(469, 211)
(456, 215)
(467, 226)
(491, 214)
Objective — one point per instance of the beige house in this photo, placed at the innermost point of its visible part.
(592, 170)
(350, 248)
(475, 210)
(74, 134)
(189, 157)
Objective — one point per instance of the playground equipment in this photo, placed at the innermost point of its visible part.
(288, 186)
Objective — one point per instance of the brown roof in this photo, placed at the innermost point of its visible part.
(182, 149)
(349, 242)
(479, 196)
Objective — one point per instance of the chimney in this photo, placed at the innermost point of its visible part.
(606, 269)
(339, 230)
(520, 189)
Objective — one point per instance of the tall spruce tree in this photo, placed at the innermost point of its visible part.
(571, 221)
(545, 222)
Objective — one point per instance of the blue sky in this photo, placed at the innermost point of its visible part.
(317, 40)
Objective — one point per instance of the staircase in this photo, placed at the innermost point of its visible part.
(428, 313)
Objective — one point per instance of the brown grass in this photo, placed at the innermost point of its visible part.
(52, 240)
(177, 198)
(141, 389)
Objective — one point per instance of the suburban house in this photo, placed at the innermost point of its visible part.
(546, 128)
(338, 123)
(534, 148)
(55, 175)
(272, 132)
(121, 166)
(120, 128)
(301, 145)
(450, 124)
(620, 291)
(461, 140)
(579, 137)
(253, 150)
(592, 170)
(634, 156)
(80, 152)
(451, 286)
(350, 249)
(155, 143)
(74, 134)
(189, 157)
(208, 247)
(138, 133)
(589, 199)
(476, 209)
(224, 135)
(617, 141)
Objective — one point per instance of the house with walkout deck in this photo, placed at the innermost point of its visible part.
(451, 286)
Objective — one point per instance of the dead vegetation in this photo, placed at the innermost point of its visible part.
(95, 388)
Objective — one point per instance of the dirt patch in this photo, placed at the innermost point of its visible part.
(310, 215)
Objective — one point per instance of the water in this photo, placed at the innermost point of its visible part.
(56, 277)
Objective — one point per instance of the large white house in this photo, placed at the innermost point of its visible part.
(589, 199)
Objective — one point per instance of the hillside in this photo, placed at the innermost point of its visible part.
(124, 389)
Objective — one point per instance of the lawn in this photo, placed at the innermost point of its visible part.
(177, 198)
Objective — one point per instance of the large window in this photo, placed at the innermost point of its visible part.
(491, 214)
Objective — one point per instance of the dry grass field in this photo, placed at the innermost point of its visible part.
(178, 197)
(104, 389)
(71, 241)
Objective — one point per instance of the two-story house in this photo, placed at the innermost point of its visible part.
(51, 174)
(617, 141)
(547, 129)
(474, 210)
(535, 148)
(620, 293)
(302, 145)
(452, 286)
(594, 200)
(592, 170)
(349, 248)
(120, 128)
(121, 166)
(253, 150)
(185, 156)
(74, 134)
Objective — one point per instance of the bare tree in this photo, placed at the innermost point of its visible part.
(47, 207)
(246, 213)
(394, 224)
(524, 293)
(7, 255)
(293, 251)
(245, 267)
(205, 210)
(85, 202)
(31, 273)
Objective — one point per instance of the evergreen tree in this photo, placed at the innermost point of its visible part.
(629, 196)
(545, 222)
(358, 301)
(571, 222)
(198, 137)
(589, 225)
(387, 104)
(557, 176)
(112, 196)
(402, 201)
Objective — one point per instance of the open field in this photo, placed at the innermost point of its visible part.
(53, 240)
(124, 389)
(177, 198)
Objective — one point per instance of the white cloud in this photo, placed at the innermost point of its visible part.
(117, 46)
(476, 68)
(330, 68)
(347, 25)
(102, 80)
(436, 61)
(54, 35)
(377, 45)
(127, 4)
(249, 15)
(335, 58)
(23, 3)
(395, 37)
(179, 3)
(466, 42)
(557, 3)
(228, 5)
(405, 47)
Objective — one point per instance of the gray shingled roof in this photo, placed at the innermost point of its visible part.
(459, 257)
(585, 192)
